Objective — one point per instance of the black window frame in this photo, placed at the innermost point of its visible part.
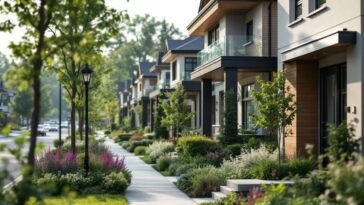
(319, 3)
(249, 31)
(297, 9)
(245, 100)
(174, 70)
(213, 35)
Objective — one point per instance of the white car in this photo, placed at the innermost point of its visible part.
(41, 130)
(53, 128)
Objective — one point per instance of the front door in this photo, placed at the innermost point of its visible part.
(332, 100)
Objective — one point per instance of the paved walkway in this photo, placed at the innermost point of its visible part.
(148, 186)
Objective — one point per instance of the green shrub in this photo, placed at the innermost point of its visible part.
(252, 143)
(184, 168)
(269, 169)
(301, 167)
(239, 167)
(140, 150)
(201, 182)
(194, 145)
(158, 149)
(58, 143)
(107, 132)
(115, 183)
(163, 163)
(134, 144)
(232, 150)
(342, 141)
(123, 137)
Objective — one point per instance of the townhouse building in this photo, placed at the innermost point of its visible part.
(181, 55)
(163, 73)
(321, 47)
(239, 45)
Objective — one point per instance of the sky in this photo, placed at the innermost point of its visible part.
(178, 12)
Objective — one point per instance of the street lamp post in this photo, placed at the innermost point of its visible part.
(60, 114)
(86, 74)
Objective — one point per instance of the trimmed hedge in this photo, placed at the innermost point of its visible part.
(194, 145)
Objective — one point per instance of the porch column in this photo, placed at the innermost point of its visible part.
(231, 102)
(152, 102)
(145, 112)
(206, 95)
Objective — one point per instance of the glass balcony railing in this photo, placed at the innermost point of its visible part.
(231, 45)
(147, 91)
(163, 85)
(186, 75)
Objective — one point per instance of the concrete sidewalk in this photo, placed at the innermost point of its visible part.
(148, 186)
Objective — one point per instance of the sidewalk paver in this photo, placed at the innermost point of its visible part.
(148, 186)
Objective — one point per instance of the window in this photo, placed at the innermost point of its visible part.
(174, 70)
(190, 65)
(248, 106)
(213, 35)
(298, 9)
(319, 3)
(249, 31)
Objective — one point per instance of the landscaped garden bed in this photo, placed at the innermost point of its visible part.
(61, 171)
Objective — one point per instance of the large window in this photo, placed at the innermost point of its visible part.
(190, 65)
(298, 9)
(249, 31)
(213, 35)
(174, 70)
(319, 3)
(248, 106)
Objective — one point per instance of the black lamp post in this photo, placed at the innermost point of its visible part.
(86, 74)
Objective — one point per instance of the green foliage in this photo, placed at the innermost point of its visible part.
(194, 145)
(161, 132)
(140, 150)
(230, 127)
(231, 199)
(57, 143)
(95, 183)
(158, 149)
(176, 111)
(276, 108)
(115, 183)
(269, 169)
(123, 137)
(163, 163)
(342, 142)
(201, 182)
(98, 199)
(131, 145)
(232, 150)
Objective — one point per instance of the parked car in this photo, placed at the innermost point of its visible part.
(53, 128)
(41, 130)
(64, 124)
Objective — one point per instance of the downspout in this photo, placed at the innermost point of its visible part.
(270, 28)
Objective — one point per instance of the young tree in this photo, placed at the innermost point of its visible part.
(22, 105)
(177, 115)
(159, 130)
(33, 50)
(89, 26)
(276, 108)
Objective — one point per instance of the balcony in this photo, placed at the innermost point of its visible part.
(186, 75)
(147, 91)
(231, 45)
(163, 85)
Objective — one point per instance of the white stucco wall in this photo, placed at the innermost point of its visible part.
(337, 15)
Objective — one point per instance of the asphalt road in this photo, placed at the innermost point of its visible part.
(14, 166)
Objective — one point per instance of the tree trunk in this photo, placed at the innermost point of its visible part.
(37, 66)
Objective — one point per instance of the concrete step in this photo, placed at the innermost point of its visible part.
(244, 185)
(227, 190)
(218, 195)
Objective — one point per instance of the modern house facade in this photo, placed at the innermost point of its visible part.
(240, 44)
(320, 46)
(181, 55)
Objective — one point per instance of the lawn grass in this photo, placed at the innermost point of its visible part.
(101, 199)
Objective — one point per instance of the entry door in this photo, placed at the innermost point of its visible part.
(332, 100)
